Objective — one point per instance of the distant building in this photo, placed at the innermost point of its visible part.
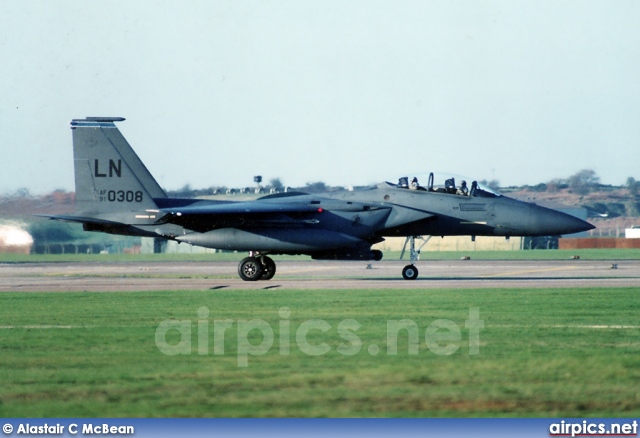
(632, 233)
(453, 243)
(161, 246)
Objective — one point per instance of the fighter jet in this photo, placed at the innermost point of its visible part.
(115, 193)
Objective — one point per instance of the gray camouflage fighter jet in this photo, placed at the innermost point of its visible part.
(115, 193)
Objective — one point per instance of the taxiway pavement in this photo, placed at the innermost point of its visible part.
(459, 274)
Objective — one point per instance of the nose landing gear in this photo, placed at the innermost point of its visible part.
(410, 272)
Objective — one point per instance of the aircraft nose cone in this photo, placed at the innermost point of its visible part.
(559, 223)
(519, 218)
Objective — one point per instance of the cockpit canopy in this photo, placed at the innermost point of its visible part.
(443, 183)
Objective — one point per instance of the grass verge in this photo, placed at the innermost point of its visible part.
(542, 352)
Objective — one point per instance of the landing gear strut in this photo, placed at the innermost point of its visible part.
(254, 268)
(410, 272)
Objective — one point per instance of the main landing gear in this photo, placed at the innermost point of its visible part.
(259, 267)
(410, 272)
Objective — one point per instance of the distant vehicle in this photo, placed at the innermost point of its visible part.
(115, 193)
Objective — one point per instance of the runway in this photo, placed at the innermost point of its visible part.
(457, 274)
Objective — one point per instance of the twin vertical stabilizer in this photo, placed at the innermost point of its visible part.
(110, 178)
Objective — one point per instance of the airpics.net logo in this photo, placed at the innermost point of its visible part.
(591, 428)
(256, 337)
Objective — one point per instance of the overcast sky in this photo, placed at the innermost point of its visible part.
(346, 92)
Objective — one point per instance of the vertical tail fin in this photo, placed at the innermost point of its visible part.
(110, 178)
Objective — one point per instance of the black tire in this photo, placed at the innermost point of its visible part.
(377, 255)
(410, 272)
(268, 268)
(250, 269)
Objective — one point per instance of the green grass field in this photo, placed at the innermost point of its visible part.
(542, 352)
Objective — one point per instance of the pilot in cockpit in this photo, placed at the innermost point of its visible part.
(450, 186)
(414, 184)
(463, 189)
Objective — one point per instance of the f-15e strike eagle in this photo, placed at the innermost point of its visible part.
(115, 193)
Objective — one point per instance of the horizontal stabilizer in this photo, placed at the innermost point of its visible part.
(78, 219)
